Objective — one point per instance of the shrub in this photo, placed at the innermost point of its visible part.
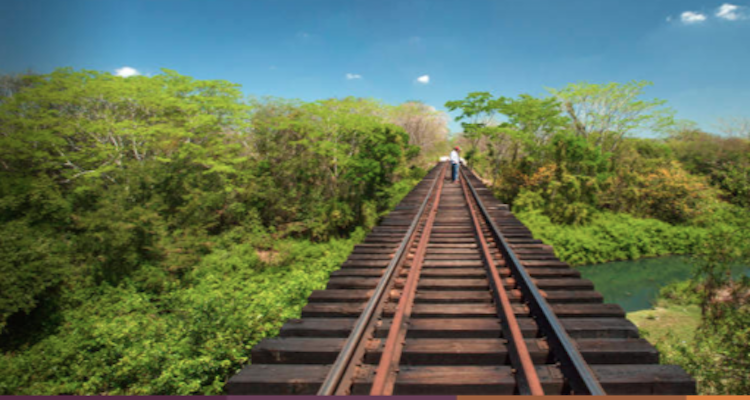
(611, 236)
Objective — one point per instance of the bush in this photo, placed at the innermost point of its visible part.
(718, 355)
(186, 340)
(666, 192)
(31, 262)
(724, 160)
(612, 236)
(155, 228)
(681, 293)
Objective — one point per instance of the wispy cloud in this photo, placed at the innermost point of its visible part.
(126, 72)
(692, 17)
(414, 40)
(353, 76)
(727, 11)
(303, 35)
(730, 12)
(424, 79)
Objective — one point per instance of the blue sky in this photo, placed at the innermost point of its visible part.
(697, 53)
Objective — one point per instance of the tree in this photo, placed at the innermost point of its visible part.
(12, 84)
(735, 127)
(479, 110)
(536, 119)
(725, 160)
(605, 114)
(427, 127)
(719, 358)
(72, 124)
(338, 155)
(531, 122)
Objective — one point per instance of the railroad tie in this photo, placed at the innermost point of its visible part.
(451, 294)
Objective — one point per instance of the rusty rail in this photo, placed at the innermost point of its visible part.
(528, 380)
(456, 311)
(341, 369)
(385, 374)
(578, 373)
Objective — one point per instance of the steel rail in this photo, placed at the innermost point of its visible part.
(528, 380)
(385, 378)
(580, 377)
(339, 368)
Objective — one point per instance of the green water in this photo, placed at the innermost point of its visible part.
(634, 285)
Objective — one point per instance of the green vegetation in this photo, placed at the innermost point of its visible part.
(575, 175)
(612, 236)
(156, 228)
(635, 284)
(674, 318)
(703, 324)
(667, 322)
(151, 336)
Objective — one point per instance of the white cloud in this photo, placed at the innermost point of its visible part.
(424, 79)
(126, 72)
(690, 17)
(730, 12)
(353, 76)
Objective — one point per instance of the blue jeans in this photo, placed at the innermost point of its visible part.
(455, 172)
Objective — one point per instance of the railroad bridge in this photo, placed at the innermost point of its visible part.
(452, 295)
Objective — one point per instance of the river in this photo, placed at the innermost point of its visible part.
(635, 284)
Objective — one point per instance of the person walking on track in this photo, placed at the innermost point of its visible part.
(455, 161)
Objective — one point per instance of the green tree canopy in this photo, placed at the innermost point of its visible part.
(607, 113)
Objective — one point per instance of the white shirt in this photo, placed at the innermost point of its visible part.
(455, 159)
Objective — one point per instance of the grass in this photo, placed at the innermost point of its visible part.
(678, 320)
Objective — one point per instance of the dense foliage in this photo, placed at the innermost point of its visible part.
(613, 236)
(717, 354)
(155, 228)
(185, 338)
(568, 164)
(577, 177)
(724, 160)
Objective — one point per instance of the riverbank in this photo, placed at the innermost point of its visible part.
(706, 351)
(613, 237)
(667, 322)
(635, 284)
(710, 348)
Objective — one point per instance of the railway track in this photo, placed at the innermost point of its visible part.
(452, 295)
